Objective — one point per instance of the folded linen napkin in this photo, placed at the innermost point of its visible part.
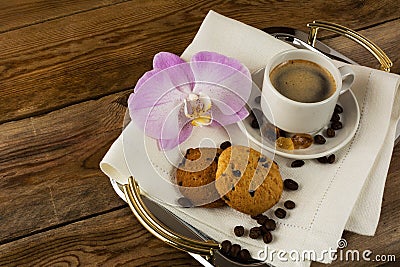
(344, 195)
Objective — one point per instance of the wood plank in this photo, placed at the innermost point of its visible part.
(50, 166)
(113, 239)
(99, 52)
(27, 12)
(385, 36)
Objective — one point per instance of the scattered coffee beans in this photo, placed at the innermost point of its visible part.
(244, 255)
(319, 139)
(239, 230)
(289, 204)
(338, 109)
(263, 229)
(323, 159)
(280, 213)
(225, 145)
(297, 163)
(262, 219)
(331, 159)
(336, 125)
(185, 202)
(330, 132)
(255, 217)
(289, 184)
(267, 238)
(225, 247)
(255, 233)
(270, 225)
(335, 117)
(234, 251)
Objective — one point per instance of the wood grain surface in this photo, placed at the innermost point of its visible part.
(66, 69)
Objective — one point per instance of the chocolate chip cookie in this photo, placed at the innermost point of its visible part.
(248, 181)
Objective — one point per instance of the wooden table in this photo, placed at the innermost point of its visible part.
(66, 69)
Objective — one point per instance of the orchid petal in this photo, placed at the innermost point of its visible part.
(184, 134)
(223, 79)
(164, 60)
(146, 76)
(180, 72)
(220, 119)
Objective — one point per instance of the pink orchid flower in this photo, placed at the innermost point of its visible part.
(176, 96)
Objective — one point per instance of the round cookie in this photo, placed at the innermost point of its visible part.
(196, 177)
(248, 181)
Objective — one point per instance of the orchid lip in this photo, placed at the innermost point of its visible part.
(198, 108)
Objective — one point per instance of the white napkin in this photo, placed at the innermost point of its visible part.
(331, 198)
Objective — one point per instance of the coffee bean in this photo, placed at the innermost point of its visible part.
(244, 255)
(262, 219)
(257, 99)
(282, 133)
(185, 202)
(336, 125)
(234, 251)
(225, 145)
(335, 117)
(263, 229)
(254, 124)
(236, 173)
(323, 159)
(297, 163)
(289, 184)
(255, 233)
(338, 109)
(330, 132)
(270, 225)
(225, 247)
(319, 139)
(289, 204)
(255, 217)
(267, 238)
(239, 230)
(280, 213)
(331, 159)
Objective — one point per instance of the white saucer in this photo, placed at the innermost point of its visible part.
(350, 119)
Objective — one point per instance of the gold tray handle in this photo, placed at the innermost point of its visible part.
(383, 59)
(158, 229)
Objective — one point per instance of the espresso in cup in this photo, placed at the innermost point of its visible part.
(300, 90)
(303, 81)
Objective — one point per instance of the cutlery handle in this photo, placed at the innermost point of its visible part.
(383, 59)
(158, 229)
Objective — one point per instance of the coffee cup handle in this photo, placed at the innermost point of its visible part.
(347, 74)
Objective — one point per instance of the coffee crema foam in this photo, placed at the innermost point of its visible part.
(303, 81)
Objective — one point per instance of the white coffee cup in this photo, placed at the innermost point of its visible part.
(302, 117)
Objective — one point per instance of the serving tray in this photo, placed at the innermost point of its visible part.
(178, 233)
